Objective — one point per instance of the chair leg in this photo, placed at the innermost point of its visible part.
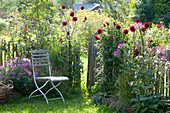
(39, 89)
(58, 90)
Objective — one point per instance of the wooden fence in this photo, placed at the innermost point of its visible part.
(10, 50)
(164, 86)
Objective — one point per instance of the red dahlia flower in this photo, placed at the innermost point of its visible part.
(132, 28)
(72, 14)
(159, 26)
(114, 23)
(61, 40)
(82, 7)
(85, 18)
(125, 31)
(63, 6)
(147, 25)
(137, 20)
(107, 23)
(75, 19)
(97, 38)
(151, 41)
(118, 27)
(68, 33)
(99, 31)
(136, 52)
(104, 25)
(64, 23)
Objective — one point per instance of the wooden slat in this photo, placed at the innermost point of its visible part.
(41, 65)
(40, 55)
(40, 51)
(45, 61)
(41, 58)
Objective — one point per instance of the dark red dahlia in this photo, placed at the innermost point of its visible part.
(137, 20)
(124, 41)
(82, 7)
(147, 25)
(114, 23)
(136, 52)
(75, 19)
(132, 28)
(63, 6)
(159, 26)
(125, 31)
(61, 40)
(68, 33)
(99, 31)
(107, 23)
(118, 27)
(85, 18)
(64, 23)
(97, 38)
(104, 25)
(151, 41)
(72, 14)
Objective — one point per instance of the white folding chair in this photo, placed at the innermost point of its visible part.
(41, 58)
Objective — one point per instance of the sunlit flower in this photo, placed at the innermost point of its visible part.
(114, 23)
(132, 28)
(63, 6)
(82, 7)
(125, 31)
(99, 31)
(159, 26)
(137, 20)
(72, 14)
(146, 25)
(64, 23)
(118, 27)
(75, 19)
(97, 38)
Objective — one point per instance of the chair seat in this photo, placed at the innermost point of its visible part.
(54, 78)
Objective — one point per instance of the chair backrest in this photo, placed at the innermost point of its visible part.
(40, 58)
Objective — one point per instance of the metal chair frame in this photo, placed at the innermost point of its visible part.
(41, 58)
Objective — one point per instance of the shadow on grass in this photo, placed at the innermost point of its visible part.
(78, 104)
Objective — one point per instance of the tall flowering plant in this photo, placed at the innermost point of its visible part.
(19, 71)
(139, 59)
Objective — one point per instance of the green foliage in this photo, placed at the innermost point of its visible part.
(67, 3)
(153, 11)
(109, 66)
(76, 104)
(149, 104)
(120, 9)
(20, 72)
(3, 26)
(6, 7)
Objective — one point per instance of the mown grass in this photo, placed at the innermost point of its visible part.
(74, 103)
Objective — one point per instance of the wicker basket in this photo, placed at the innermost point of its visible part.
(5, 93)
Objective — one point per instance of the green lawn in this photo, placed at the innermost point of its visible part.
(79, 103)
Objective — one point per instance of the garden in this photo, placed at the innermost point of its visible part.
(115, 57)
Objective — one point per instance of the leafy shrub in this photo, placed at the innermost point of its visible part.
(149, 104)
(19, 71)
(3, 26)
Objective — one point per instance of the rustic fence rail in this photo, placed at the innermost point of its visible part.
(164, 84)
(9, 49)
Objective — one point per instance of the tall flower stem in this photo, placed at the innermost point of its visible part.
(142, 43)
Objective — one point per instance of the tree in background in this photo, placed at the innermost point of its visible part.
(67, 3)
(6, 7)
(153, 11)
